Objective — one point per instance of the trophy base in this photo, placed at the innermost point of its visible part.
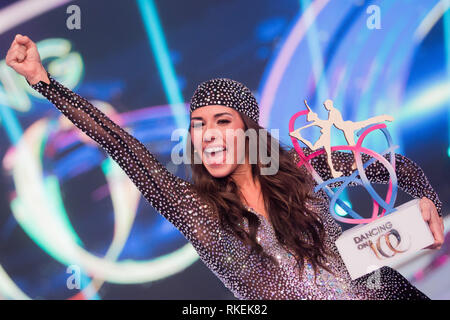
(385, 241)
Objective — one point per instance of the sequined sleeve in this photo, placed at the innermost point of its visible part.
(170, 195)
(411, 178)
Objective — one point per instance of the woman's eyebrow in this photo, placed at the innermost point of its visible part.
(215, 116)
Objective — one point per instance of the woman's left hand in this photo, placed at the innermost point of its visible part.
(436, 223)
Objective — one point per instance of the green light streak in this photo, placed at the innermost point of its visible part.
(160, 50)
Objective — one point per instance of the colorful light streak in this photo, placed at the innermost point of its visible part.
(166, 70)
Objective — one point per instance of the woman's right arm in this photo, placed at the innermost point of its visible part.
(167, 193)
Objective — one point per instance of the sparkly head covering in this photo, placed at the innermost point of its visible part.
(226, 92)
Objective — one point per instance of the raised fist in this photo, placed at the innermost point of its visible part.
(24, 58)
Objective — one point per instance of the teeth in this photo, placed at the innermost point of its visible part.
(214, 149)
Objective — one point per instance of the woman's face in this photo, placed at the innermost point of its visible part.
(217, 134)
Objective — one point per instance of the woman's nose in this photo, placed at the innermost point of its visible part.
(211, 133)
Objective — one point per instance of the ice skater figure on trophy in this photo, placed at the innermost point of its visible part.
(334, 118)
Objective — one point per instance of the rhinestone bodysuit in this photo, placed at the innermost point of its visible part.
(240, 270)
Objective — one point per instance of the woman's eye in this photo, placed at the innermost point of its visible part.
(224, 121)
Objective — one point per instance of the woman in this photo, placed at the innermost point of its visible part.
(263, 236)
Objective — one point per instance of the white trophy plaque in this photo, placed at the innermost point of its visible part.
(385, 241)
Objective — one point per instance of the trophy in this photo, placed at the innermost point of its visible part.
(387, 237)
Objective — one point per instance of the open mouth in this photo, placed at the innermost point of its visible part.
(215, 155)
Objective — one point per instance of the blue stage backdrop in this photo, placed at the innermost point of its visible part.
(73, 226)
